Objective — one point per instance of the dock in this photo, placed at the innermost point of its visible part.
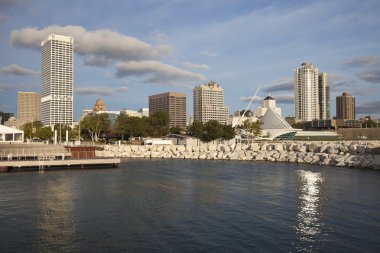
(24, 157)
(42, 165)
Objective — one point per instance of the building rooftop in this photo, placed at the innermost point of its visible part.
(269, 97)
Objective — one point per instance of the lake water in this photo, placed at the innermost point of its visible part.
(191, 206)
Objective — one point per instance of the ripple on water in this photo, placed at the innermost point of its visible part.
(191, 205)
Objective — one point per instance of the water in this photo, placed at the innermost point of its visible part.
(191, 206)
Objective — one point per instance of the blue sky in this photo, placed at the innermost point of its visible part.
(128, 50)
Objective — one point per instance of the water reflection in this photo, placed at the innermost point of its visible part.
(309, 225)
(56, 215)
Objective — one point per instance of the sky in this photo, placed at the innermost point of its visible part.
(127, 50)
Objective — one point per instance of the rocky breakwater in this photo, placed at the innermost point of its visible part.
(343, 153)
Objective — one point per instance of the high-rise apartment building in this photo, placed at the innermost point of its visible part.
(328, 102)
(208, 102)
(311, 93)
(57, 78)
(345, 106)
(172, 103)
(324, 96)
(28, 107)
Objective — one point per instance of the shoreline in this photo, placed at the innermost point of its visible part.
(352, 154)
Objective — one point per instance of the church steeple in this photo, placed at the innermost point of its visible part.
(99, 106)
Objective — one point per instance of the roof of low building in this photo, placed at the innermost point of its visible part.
(9, 130)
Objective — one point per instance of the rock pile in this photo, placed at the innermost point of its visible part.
(348, 154)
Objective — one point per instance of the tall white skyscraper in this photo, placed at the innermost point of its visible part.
(57, 78)
(209, 103)
(306, 93)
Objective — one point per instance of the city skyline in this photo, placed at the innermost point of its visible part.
(179, 45)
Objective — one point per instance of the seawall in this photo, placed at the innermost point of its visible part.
(358, 154)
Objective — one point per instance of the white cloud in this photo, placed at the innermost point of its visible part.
(96, 60)
(362, 61)
(14, 69)
(103, 43)
(284, 98)
(103, 47)
(281, 98)
(157, 72)
(24, 87)
(372, 76)
(285, 84)
(196, 66)
(255, 98)
(101, 91)
(369, 108)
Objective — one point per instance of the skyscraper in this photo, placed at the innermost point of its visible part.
(345, 106)
(328, 102)
(172, 103)
(311, 93)
(208, 102)
(324, 96)
(57, 75)
(28, 107)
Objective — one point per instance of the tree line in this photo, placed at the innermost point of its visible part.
(97, 126)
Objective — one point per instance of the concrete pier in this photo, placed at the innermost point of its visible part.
(6, 166)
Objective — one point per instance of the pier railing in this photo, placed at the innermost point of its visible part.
(32, 154)
(45, 154)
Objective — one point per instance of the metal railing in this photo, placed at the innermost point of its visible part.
(32, 154)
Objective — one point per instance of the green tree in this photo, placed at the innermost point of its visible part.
(96, 124)
(31, 129)
(253, 128)
(196, 129)
(131, 126)
(228, 132)
(45, 133)
(159, 123)
(212, 130)
(61, 132)
(74, 133)
(175, 130)
(369, 123)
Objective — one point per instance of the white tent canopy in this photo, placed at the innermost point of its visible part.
(11, 134)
